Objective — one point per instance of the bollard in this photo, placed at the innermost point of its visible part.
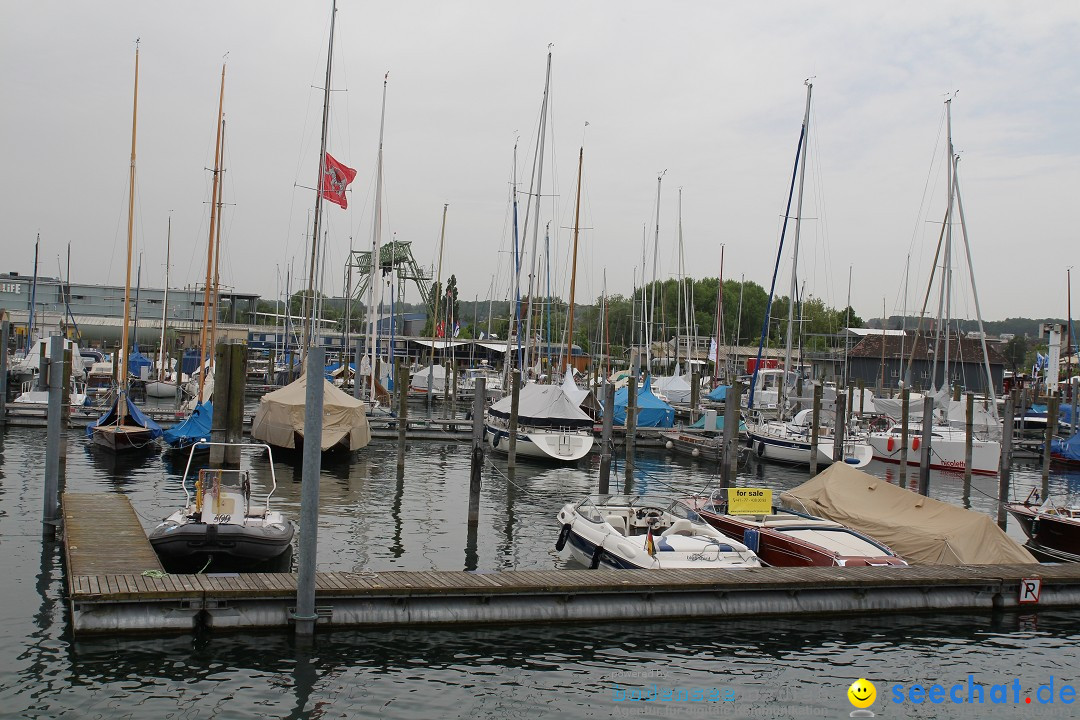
(605, 438)
(51, 505)
(309, 494)
(729, 460)
(631, 432)
(815, 428)
(1005, 462)
(927, 431)
(515, 394)
(969, 433)
(5, 332)
(905, 411)
(401, 380)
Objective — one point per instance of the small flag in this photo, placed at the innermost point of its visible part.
(457, 328)
(440, 329)
(650, 546)
(335, 178)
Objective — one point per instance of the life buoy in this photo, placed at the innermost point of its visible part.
(891, 444)
(915, 444)
(564, 535)
(597, 554)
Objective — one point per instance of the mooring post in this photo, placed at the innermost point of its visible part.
(357, 381)
(631, 432)
(1005, 462)
(1023, 412)
(862, 398)
(51, 510)
(5, 337)
(227, 425)
(969, 438)
(1073, 426)
(729, 459)
(477, 454)
(515, 394)
(838, 427)
(452, 375)
(1051, 414)
(927, 432)
(905, 411)
(401, 381)
(815, 427)
(695, 395)
(43, 363)
(605, 437)
(309, 494)
(447, 381)
(65, 396)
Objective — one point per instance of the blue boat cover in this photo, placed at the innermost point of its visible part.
(1068, 449)
(134, 415)
(195, 427)
(190, 362)
(137, 361)
(719, 394)
(652, 411)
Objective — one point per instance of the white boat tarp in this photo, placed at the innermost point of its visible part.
(32, 360)
(675, 388)
(576, 394)
(419, 381)
(281, 415)
(545, 406)
(921, 530)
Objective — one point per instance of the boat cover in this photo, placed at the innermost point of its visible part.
(544, 406)
(195, 427)
(281, 416)
(1066, 449)
(137, 361)
(676, 388)
(652, 412)
(419, 381)
(576, 394)
(134, 416)
(921, 530)
(719, 393)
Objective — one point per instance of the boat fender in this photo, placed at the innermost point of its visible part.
(564, 535)
(495, 444)
(1034, 527)
(915, 444)
(751, 539)
(851, 460)
(668, 445)
(597, 554)
(891, 444)
(761, 448)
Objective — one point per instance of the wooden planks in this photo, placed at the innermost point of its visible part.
(103, 537)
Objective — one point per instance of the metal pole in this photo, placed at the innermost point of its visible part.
(402, 380)
(969, 432)
(905, 410)
(729, 459)
(357, 383)
(309, 494)
(5, 336)
(924, 460)
(814, 428)
(605, 438)
(631, 431)
(515, 394)
(51, 510)
(1005, 462)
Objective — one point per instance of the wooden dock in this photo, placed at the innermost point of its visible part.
(108, 591)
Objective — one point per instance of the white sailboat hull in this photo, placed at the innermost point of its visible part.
(946, 453)
(542, 443)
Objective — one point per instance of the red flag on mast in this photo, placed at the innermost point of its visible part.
(335, 178)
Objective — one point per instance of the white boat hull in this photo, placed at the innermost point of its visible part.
(542, 444)
(159, 389)
(945, 453)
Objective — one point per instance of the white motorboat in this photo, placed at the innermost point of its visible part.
(550, 425)
(947, 449)
(219, 519)
(639, 532)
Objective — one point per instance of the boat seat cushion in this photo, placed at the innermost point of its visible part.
(616, 521)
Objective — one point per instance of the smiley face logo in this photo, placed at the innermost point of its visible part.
(862, 693)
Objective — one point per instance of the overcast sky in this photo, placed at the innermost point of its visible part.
(711, 92)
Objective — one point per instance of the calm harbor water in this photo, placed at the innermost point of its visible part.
(372, 519)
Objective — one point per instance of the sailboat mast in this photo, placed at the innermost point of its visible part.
(165, 304)
(652, 294)
(719, 319)
(573, 265)
(795, 244)
(210, 240)
(309, 298)
(948, 241)
(847, 328)
(435, 312)
(121, 368)
(536, 211)
(375, 293)
(33, 284)
(217, 251)
(685, 294)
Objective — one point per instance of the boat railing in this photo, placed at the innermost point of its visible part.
(202, 443)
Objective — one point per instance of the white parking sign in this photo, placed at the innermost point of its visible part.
(1029, 590)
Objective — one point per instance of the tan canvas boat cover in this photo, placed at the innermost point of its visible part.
(281, 413)
(921, 530)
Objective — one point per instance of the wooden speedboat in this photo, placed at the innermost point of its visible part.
(643, 533)
(790, 539)
(219, 518)
(1051, 525)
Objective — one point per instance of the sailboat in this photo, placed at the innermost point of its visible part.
(197, 425)
(168, 379)
(781, 440)
(279, 419)
(948, 436)
(123, 427)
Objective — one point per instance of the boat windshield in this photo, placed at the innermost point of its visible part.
(587, 510)
(679, 509)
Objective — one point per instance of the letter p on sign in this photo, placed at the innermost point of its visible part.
(1029, 590)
